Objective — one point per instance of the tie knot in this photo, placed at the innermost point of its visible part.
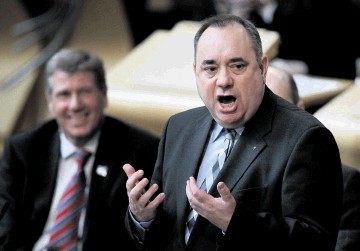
(81, 156)
(230, 134)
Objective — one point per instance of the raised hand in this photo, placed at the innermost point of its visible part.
(142, 208)
(217, 210)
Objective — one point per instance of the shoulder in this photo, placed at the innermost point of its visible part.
(197, 113)
(351, 177)
(36, 139)
(188, 120)
(281, 114)
(114, 129)
(37, 132)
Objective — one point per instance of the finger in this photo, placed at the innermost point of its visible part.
(146, 196)
(149, 194)
(128, 169)
(133, 179)
(195, 190)
(139, 189)
(224, 192)
(157, 200)
(196, 196)
(188, 191)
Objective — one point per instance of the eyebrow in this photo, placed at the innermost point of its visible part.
(232, 60)
(208, 61)
(237, 59)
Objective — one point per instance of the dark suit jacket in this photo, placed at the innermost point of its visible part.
(27, 181)
(349, 233)
(284, 172)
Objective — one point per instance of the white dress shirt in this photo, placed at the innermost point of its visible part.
(67, 168)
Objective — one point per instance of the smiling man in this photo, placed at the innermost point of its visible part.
(38, 165)
(278, 188)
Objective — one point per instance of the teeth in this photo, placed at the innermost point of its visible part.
(227, 101)
(78, 116)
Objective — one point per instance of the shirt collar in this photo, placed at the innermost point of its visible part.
(67, 148)
(218, 131)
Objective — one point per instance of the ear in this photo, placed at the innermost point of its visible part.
(301, 104)
(49, 101)
(264, 65)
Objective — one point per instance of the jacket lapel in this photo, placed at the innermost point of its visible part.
(249, 146)
(245, 151)
(194, 155)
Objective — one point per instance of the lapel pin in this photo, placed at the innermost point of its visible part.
(102, 170)
(254, 147)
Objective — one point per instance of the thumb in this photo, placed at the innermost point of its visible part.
(224, 192)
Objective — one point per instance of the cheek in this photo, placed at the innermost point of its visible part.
(57, 107)
(204, 92)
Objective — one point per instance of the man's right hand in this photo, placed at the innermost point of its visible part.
(142, 208)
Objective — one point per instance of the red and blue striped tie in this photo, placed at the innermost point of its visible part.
(65, 231)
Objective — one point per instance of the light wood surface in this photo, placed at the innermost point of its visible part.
(155, 80)
(316, 91)
(342, 116)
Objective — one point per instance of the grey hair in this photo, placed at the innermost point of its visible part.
(72, 60)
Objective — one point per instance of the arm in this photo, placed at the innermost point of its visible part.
(11, 187)
(302, 206)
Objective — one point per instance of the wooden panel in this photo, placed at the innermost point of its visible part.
(342, 116)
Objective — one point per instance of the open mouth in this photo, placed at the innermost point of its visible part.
(226, 99)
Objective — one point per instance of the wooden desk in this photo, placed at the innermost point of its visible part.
(316, 91)
(155, 80)
(342, 116)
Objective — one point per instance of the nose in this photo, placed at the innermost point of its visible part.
(74, 101)
(224, 78)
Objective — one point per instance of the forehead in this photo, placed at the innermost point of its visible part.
(231, 38)
(78, 77)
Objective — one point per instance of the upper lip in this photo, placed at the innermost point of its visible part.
(226, 99)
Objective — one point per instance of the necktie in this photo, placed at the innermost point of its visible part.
(212, 174)
(64, 233)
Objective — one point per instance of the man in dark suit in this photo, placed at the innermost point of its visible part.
(37, 164)
(281, 185)
(349, 232)
(283, 84)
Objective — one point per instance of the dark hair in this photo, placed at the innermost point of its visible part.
(226, 19)
(72, 60)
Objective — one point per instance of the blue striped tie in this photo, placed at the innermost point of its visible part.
(65, 230)
(206, 184)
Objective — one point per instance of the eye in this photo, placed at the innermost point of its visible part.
(62, 95)
(85, 91)
(210, 70)
(238, 67)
